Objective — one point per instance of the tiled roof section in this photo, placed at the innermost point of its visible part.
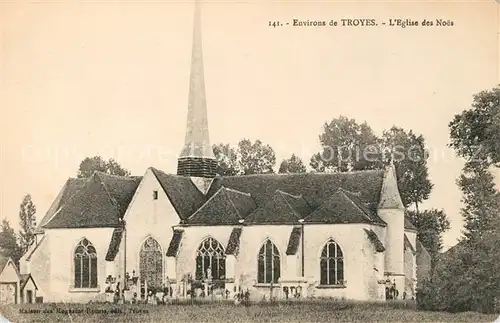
(71, 186)
(234, 241)
(337, 209)
(182, 193)
(373, 237)
(114, 244)
(315, 188)
(226, 207)
(282, 208)
(175, 243)
(24, 278)
(363, 206)
(32, 249)
(293, 241)
(407, 244)
(101, 202)
(409, 226)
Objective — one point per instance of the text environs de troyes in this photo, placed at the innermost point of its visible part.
(364, 22)
(342, 22)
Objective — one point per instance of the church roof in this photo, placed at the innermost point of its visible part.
(226, 207)
(114, 244)
(409, 226)
(293, 241)
(282, 208)
(100, 202)
(71, 186)
(181, 192)
(313, 188)
(343, 207)
(175, 243)
(234, 241)
(374, 239)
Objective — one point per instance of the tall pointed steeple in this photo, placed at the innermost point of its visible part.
(197, 157)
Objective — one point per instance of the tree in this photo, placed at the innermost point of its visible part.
(8, 242)
(256, 157)
(27, 222)
(475, 133)
(245, 159)
(431, 224)
(347, 145)
(292, 165)
(227, 160)
(410, 159)
(91, 164)
(467, 276)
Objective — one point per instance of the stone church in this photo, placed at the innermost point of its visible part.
(276, 235)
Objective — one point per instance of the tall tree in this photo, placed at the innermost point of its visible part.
(467, 278)
(245, 159)
(27, 223)
(347, 145)
(256, 157)
(8, 242)
(227, 160)
(292, 165)
(410, 159)
(91, 164)
(475, 133)
(431, 224)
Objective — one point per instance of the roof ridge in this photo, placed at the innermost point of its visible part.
(222, 188)
(236, 191)
(111, 199)
(232, 203)
(355, 205)
(288, 204)
(288, 194)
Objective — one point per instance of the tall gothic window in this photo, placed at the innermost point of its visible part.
(85, 259)
(210, 259)
(268, 270)
(151, 264)
(332, 264)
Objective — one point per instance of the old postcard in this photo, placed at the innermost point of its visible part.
(255, 161)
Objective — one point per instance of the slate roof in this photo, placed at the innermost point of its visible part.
(71, 186)
(282, 208)
(374, 239)
(4, 261)
(100, 202)
(314, 188)
(226, 207)
(293, 241)
(175, 243)
(409, 226)
(234, 241)
(114, 244)
(343, 207)
(407, 244)
(181, 192)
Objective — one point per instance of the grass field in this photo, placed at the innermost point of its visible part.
(306, 311)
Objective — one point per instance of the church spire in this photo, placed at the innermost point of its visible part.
(197, 157)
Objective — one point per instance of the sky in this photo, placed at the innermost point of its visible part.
(110, 78)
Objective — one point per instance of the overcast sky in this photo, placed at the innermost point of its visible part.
(109, 78)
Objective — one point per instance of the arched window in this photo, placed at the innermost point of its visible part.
(85, 258)
(210, 260)
(268, 270)
(332, 264)
(151, 264)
